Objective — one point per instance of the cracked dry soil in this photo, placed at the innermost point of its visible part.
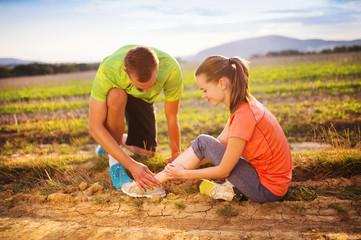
(91, 212)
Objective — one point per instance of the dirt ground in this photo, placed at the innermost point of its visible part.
(92, 212)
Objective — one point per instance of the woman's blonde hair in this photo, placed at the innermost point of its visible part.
(235, 69)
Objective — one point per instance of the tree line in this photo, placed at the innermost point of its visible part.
(291, 52)
(42, 69)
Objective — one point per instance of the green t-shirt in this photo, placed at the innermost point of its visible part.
(111, 75)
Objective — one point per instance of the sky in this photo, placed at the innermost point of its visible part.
(64, 31)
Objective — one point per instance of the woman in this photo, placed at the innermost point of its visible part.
(252, 152)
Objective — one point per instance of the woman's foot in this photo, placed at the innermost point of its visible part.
(132, 189)
(214, 190)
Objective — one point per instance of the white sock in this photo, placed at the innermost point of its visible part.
(112, 161)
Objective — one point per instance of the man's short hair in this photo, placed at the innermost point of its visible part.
(141, 62)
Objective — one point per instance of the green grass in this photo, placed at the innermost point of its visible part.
(46, 91)
(190, 189)
(46, 126)
(179, 204)
(350, 192)
(101, 200)
(136, 203)
(21, 145)
(50, 187)
(306, 72)
(227, 211)
(282, 79)
(301, 73)
(326, 164)
(340, 207)
(300, 193)
(33, 133)
(305, 89)
(44, 106)
(308, 194)
(300, 206)
(34, 169)
(101, 163)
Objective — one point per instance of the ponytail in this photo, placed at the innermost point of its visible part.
(235, 69)
(239, 84)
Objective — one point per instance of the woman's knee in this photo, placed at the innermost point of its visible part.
(202, 141)
(209, 147)
(117, 98)
(205, 139)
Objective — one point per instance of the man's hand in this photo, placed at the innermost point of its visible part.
(144, 177)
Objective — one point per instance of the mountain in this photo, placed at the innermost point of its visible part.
(262, 45)
(14, 61)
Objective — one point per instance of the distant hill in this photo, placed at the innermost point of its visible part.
(14, 61)
(262, 45)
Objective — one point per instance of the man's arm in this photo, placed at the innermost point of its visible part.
(97, 117)
(171, 112)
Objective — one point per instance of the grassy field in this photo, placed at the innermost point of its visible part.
(44, 124)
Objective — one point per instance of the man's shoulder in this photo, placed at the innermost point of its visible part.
(168, 63)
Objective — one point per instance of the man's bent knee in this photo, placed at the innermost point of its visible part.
(116, 98)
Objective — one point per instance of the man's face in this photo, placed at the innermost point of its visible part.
(144, 86)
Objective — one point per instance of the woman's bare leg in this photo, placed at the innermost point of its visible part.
(187, 159)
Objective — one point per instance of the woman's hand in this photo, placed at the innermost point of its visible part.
(174, 170)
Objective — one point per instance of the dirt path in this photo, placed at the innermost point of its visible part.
(97, 213)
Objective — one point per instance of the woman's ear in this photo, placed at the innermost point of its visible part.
(223, 83)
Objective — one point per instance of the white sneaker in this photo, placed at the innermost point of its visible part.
(214, 190)
(132, 189)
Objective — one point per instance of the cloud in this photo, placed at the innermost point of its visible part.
(172, 10)
(208, 12)
(344, 1)
(326, 19)
(331, 15)
(288, 11)
(156, 8)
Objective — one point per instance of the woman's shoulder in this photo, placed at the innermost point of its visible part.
(252, 109)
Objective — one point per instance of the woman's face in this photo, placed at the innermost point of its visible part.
(214, 92)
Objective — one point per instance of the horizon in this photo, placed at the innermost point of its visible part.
(85, 31)
(182, 57)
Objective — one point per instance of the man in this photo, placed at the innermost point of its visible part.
(125, 86)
